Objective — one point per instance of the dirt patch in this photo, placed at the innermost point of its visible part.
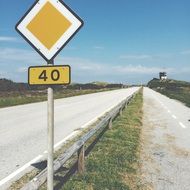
(178, 151)
(146, 158)
(170, 138)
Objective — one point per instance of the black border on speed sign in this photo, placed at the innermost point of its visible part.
(47, 84)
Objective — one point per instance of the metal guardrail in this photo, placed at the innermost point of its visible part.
(78, 146)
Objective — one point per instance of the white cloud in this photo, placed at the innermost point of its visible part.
(186, 52)
(185, 70)
(94, 68)
(13, 55)
(70, 48)
(22, 69)
(3, 74)
(16, 61)
(137, 57)
(8, 39)
(32, 58)
(139, 69)
(80, 64)
(98, 47)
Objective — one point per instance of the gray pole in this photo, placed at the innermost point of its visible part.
(50, 136)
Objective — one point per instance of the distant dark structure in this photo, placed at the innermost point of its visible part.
(163, 76)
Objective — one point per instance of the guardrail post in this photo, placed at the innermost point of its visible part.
(121, 111)
(81, 160)
(126, 104)
(110, 123)
(108, 120)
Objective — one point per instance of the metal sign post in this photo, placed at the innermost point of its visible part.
(50, 124)
(48, 38)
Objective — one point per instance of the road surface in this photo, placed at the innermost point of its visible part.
(166, 143)
(23, 129)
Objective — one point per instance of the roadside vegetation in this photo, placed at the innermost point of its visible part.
(113, 163)
(179, 90)
(15, 98)
(12, 93)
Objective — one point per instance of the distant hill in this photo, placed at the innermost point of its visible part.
(94, 85)
(179, 90)
(8, 85)
(168, 84)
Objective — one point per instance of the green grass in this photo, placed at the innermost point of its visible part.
(179, 90)
(180, 94)
(113, 163)
(19, 99)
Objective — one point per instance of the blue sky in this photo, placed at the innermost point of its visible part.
(126, 41)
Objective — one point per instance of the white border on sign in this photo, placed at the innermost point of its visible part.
(75, 24)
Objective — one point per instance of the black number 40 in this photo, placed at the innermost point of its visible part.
(55, 75)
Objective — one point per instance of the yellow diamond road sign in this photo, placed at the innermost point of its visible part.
(48, 26)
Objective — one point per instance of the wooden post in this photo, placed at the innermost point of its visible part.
(81, 160)
(121, 111)
(110, 123)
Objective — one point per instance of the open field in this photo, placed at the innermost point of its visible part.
(14, 93)
(19, 98)
(178, 90)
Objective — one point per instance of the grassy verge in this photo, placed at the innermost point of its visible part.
(179, 90)
(114, 161)
(19, 99)
(42, 164)
(182, 95)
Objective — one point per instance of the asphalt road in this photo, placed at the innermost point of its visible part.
(166, 143)
(23, 129)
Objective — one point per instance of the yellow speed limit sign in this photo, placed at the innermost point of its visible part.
(49, 75)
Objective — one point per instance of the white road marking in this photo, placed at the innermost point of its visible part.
(74, 133)
(182, 125)
(15, 173)
(165, 107)
(174, 116)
